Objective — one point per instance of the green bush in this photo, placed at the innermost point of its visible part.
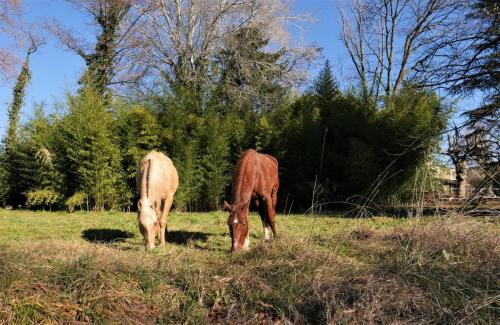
(43, 197)
(77, 199)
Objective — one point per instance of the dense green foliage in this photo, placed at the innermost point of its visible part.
(9, 155)
(77, 199)
(43, 198)
(341, 146)
(329, 142)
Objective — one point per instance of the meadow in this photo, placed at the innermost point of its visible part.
(88, 267)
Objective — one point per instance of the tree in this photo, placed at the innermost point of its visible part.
(178, 39)
(138, 133)
(9, 14)
(483, 137)
(77, 199)
(387, 39)
(33, 162)
(10, 146)
(325, 86)
(181, 124)
(458, 150)
(41, 197)
(115, 21)
(15, 107)
(251, 77)
(348, 147)
(88, 153)
(467, 59)
(215, 160)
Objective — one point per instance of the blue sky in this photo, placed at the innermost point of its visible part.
(55, 70)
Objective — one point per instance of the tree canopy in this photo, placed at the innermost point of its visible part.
(203, 82)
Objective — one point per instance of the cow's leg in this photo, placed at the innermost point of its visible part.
(271, 214)
(167, 204)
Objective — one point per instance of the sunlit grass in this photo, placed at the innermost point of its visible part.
(92, 267)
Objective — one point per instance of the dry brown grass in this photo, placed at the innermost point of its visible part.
(442, 270)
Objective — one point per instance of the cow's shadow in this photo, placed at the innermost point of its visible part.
(181, 237)
(106, 236)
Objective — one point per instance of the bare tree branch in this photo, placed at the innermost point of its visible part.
(385, 38)
(178, 39)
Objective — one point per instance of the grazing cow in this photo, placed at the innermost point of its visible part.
(157, 181)
(255, 181)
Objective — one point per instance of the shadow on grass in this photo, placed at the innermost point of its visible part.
(106, 236)
(184, 237)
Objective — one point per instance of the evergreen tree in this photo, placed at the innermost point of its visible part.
(325, 87)
(249, 75)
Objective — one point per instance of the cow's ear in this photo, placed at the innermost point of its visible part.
(139, 204)
(227, 206)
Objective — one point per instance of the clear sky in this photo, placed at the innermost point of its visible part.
(55, 70)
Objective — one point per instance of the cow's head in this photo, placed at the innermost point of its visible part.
(238, 226)
(148, 220)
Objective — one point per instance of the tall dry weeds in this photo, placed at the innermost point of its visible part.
(442, 270)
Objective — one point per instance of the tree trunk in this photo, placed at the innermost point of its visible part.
(461, 176)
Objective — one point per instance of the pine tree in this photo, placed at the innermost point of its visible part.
(325, 86)
(249, 73)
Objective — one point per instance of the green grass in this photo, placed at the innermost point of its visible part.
(92, 268)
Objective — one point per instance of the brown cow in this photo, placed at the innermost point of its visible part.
(255, 180)
(157, 181)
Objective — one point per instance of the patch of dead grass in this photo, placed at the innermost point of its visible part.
(442, 271)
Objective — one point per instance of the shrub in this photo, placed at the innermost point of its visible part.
(77, 199)
(41, 197)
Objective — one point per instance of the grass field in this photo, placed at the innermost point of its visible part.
(92, 268)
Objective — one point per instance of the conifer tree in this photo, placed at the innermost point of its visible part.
(249, 73)
(325, 86)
